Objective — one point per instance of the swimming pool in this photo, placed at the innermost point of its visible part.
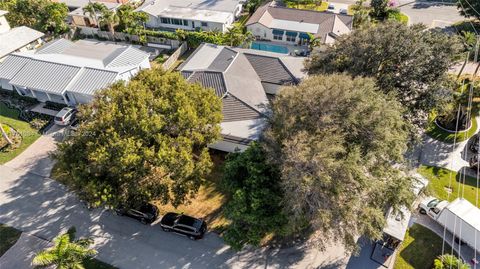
(269, 47)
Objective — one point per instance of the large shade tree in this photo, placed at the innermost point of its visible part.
(141, 141)
(334, 140)
(407, 61)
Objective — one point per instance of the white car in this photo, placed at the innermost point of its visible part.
(428, 203)
(343, 11)
(65, 116)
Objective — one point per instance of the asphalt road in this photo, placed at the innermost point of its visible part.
(432, 14)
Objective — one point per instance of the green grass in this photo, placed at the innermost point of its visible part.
(8, 237)
(439, 134)
(440, 181)
(419, 249)
(29, 135)
(322, 7)
(396, 15)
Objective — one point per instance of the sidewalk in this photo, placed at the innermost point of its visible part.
(20, 255)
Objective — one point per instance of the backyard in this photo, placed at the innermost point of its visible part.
(419, 249)
(27, 134)
(440, 182)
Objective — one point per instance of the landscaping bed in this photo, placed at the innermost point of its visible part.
(310, 6)
(25, 133)
(8, 237)
(440, 180)
(419, 249)
(437, 133)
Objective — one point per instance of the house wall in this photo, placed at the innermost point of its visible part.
(78, 98)
(192, 25)
(227, 146)
(265, 33)
(5, 85)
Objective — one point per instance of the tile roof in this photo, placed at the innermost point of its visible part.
(317, 23)
(270, 69)
(236, 110)
(210, 79)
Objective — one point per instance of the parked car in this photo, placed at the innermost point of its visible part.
(331, 7)
(65, 116)
(473, 162)
(146, 213)
(427, 204)
(343, 11)
(474, 146)
(191, 227)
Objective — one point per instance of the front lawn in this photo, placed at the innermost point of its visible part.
(96, 264)
(209, 201)
(8, 237)
(439, 134)
(419, 249)
(293, 4)
(28, 134)
(439, 181)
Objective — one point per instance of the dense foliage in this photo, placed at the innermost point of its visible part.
(141, 141)
(42, 15)
(448, 261)
(469, 8)
(255, 205)
(409, 62)
(335, 140)
(130, 21)
(66, 253)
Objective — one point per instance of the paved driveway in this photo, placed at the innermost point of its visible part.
(432, 14)
(20, 255)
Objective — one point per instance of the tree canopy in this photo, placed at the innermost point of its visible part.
(469, 8)
(255, 206)
(334, 140)
(448, 261)
(143, 140)
(42, 15)
(409, 62)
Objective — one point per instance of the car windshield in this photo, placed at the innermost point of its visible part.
(433, 203)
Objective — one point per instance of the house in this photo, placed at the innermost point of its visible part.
(191, 14)
(76, 15)
(243, 79)
(294, 26)
(18, 38)
(70, 72)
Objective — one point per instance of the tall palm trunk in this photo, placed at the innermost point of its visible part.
(4, 134)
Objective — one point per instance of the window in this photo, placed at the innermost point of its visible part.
(177, 22)
(277, 36)
(290, 38)
(165, 20)
(204, 24)
(185, 22)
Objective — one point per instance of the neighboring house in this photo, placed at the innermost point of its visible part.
(70, 73)
(76, 15)
(292, 26)
(191, 14)
(16, 39)
(242, 78)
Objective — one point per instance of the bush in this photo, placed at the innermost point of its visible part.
(396, 15)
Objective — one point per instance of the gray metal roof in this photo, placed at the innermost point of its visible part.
(236, 110)
(129, 57)
(11, 65)
(210, 79)
(46, 76)
(90, 80)
(270, 69)
(17, 38)
(56, 46)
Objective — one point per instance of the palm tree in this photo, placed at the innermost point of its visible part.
(93, 9)
(110, 18)
(67, 253)
(5, 135)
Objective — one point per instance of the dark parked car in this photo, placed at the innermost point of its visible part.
(146, 214)
(191, 227)
(474, 162)
(474, 146)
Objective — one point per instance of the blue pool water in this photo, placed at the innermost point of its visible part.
(269, 47)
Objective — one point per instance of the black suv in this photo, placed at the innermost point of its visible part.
(146, 214)
(189, 226)
(474, 162)
(474, 146)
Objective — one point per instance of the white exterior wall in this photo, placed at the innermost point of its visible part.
(78, 98)
(228, 146)
(4, 84)
(155, 22)
(266, 33)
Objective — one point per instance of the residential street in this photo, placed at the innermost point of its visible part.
(432, 14)
(41, 206)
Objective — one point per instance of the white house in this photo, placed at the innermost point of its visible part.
(16, 39)
(76, 15)
(242, 78)
(294, 26)
(191, 14)
(70, 72)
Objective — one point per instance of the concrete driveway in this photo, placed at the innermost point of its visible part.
(436, 14)
(20, 255)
